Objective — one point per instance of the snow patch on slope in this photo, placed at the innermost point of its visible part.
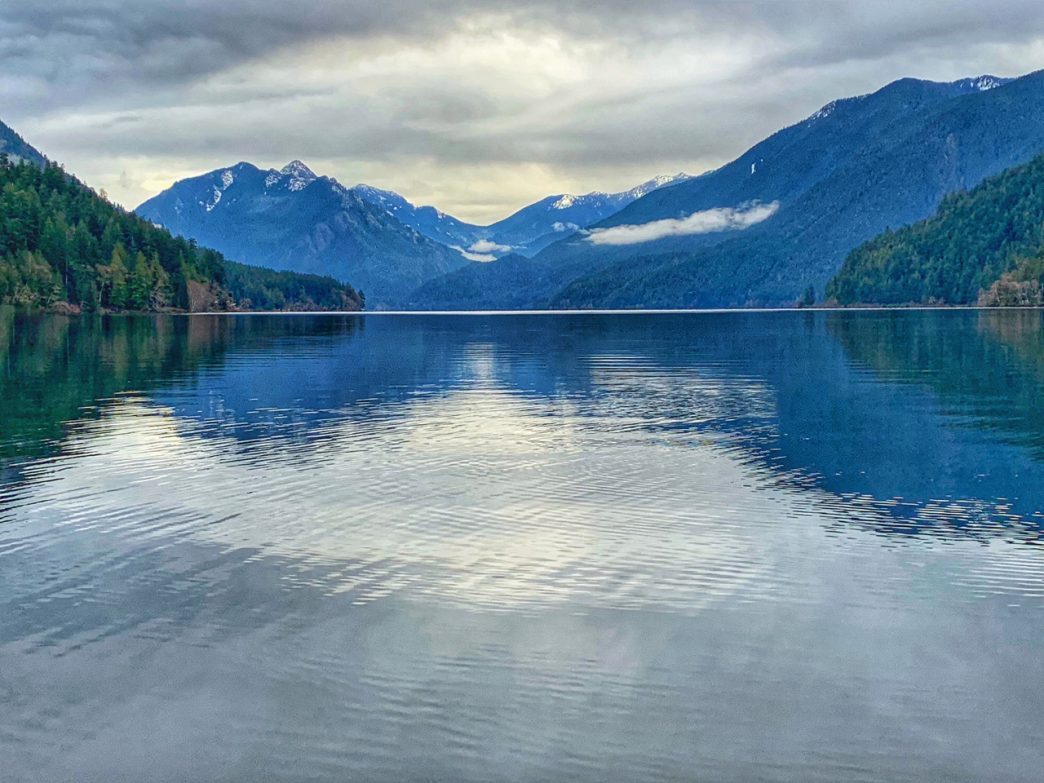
(213, 202)
(984, 83)
(655, 183)
(299, 174)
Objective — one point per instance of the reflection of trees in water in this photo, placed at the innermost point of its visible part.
(56, 369)
(948, 415)
(1023, 330)
(986, 367)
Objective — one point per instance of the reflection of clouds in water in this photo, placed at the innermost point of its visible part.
(689, 398)
(479, 498)
(553, 565)
(643, 493)
(480, 360)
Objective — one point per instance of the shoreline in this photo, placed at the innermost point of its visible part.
(629, 311)
(72, 311)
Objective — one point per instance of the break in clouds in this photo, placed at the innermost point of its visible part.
(705, 222)
(475, 106)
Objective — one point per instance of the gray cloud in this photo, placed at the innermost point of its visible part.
(477, 105)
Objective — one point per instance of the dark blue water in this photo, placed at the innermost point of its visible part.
(722, 547)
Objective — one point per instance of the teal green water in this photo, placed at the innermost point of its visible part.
(800, 546)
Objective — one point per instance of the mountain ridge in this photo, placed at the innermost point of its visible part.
(17, 148)
(834, 175)
(296, 220)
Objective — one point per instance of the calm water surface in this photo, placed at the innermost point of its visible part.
(713, 547)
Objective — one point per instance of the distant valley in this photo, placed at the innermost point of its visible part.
(384, 245)
(825, 185)
(525, 232)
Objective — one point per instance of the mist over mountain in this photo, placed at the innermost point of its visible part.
(534, 227)
(297, 220)
(823, 186)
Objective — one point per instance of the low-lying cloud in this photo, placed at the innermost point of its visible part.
(488, 246)
(705, 222)
(482, 258)
(483, 251)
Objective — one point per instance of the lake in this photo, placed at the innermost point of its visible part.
(794, 546)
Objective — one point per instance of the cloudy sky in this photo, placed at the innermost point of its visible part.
(476, 106)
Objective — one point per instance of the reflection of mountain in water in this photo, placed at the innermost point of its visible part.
(778, 390)
(936, 409)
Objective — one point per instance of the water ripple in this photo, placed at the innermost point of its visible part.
(432, 549)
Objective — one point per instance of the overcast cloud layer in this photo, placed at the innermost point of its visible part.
(476, 106)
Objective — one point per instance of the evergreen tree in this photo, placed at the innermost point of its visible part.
(116, 275)
(139, 284)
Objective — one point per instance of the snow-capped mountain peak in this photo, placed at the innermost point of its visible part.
(298, 170)
(656, 183)
(387, 199)
(299, 174)
(618, 199)
(982, 83)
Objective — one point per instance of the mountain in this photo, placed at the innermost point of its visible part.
(63, 245)
(296, 220)
(525, 232)
(428, 221)
(16, 148)
(551, 219)
(985, 245)
(818, 189)
(794, 160)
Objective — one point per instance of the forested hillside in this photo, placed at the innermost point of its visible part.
(840, 177)
(60, 242)
(985, 245)
(259, 288)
